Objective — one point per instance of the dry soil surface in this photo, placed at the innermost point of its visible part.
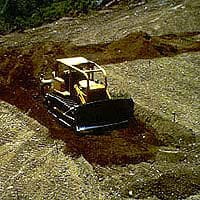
(151, 52)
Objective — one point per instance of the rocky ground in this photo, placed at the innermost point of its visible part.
(151, 52)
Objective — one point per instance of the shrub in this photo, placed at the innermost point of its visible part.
(20, 14)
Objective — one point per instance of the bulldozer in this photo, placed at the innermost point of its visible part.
(79, 98)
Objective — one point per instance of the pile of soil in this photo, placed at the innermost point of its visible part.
(21, 66)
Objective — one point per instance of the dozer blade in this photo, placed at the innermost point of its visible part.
(107, 114)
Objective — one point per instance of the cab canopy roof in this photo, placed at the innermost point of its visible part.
(73, 61)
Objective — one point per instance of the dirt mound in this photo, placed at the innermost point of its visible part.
(134, 45)
(22, 65)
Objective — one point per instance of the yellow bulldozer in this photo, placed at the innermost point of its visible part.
(79, 97)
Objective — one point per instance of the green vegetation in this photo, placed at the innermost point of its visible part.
(21, 14)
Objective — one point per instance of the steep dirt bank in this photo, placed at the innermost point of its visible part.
(154, 17)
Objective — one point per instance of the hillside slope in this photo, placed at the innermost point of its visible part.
(151, 52)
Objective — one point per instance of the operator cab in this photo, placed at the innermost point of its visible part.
(78, 97)
(81, 79)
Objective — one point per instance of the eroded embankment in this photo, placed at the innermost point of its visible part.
(20, 69)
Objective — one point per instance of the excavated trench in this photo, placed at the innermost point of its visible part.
(20, 69)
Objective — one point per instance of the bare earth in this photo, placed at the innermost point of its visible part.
(151, 52)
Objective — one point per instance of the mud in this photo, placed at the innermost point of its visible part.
(20, 69)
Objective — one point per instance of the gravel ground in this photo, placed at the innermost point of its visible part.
(36, 163)
(33, 166)
(166, 86)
